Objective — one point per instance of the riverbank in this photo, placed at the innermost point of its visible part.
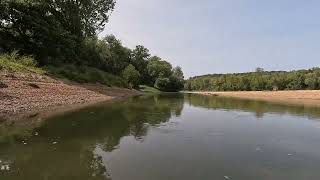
(27, 95)
(299, 97)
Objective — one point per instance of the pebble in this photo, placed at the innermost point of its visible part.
(226, 177)
(55, 142)
(5, 168)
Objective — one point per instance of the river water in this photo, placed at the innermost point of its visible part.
(168, 137)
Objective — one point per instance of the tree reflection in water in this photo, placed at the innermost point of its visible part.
(65, 144)
(257, 107)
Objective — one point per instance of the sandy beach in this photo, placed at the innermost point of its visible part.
(299, 97)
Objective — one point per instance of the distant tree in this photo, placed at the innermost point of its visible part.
(312, 81)
(275, 80)
(171, 84)
(162, 84)
(119, 56)
(158, 68)
(259, 69)
(140, 56)
(131, 75)
(175, 84)
(177, 72)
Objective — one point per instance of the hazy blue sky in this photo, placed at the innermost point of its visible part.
(220, 36)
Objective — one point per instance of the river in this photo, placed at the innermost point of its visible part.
(168, 137)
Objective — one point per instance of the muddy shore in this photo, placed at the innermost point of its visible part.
(28, 95)
(299, 97)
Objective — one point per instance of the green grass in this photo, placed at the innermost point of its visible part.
(15, 63)
(149, 89)
(85, 74)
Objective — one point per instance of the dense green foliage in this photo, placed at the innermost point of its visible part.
(85, 74)
(257, 81)
(51, 30)
(131, 75)
(61, 35)
(15, 63)
(171, 83)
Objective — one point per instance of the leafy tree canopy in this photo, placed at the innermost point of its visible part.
(131, 75)
(158, 68)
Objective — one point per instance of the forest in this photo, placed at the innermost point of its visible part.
(61, 37)
(259, 80)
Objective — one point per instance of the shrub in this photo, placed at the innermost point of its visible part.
(85, 74)
(131, 75)
(171, 84)
(15, 63)
(162, 84)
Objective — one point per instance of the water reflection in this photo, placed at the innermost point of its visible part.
(259, 108)
(64, 145)
(205, 145)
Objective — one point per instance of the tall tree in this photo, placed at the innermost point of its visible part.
(177, 72)
(51, 29)
(158, 68)
(81, 17)
(140, 56)
(131, 75)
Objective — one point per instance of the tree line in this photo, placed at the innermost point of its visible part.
(257, 81)
(58, 33)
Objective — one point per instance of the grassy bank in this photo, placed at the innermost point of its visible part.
(85, 74)
(13, 63)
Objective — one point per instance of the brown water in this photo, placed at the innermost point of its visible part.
(168, 137)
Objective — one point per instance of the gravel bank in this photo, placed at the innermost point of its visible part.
(24, 95)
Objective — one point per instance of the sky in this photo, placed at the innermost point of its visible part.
(222, 36)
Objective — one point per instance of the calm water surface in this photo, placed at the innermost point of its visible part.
(168, 137)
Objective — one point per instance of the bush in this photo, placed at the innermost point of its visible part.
(171, 84)
(15, 63)
(85, 74)
(176, 84)
(131, 75)
(162, 84)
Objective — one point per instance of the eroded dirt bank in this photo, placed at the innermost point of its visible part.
(26, 95)
(301, 97)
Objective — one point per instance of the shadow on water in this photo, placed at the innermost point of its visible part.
(62, 148)
(254, 106)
